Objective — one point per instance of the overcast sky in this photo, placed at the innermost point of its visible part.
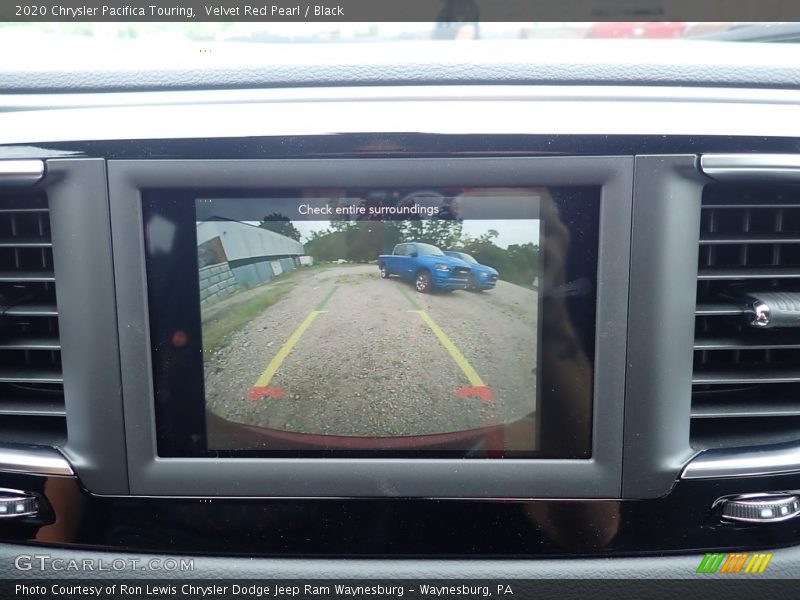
(517, 231)
(512, 213)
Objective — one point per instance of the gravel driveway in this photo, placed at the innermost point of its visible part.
(371, 366)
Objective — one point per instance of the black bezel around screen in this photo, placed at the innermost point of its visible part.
(178, 369)
(165, 436)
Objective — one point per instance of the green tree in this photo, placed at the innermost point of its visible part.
(519, 263)
(444, 234)
(359, 241)
(280, 224)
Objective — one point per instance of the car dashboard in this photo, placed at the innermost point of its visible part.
(675, 171)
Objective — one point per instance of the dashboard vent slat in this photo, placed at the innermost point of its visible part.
(23, 210)
(757, 205)
(25, 243)
(749, 409)
(24, 407)
(30, 376)
(734, 376)
(711, 238)
(747, 273)
(32, 309)
(719, 309)
(25, 343)
(757, 340)
(746, 380)
(31, 381)
(27, 277)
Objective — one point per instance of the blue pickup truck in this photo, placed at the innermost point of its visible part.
(427, 266)
(481, 277)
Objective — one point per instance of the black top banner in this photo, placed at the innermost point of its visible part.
(448, 11)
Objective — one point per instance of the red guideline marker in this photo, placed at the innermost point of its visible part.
(258, 393)
(479, 391)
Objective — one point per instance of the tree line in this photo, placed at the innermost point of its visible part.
(362, 241)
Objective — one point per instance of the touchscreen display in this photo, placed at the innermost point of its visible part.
(372, 322)
(384, 315)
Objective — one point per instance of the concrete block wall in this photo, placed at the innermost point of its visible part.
(219, 281)
(216, 282)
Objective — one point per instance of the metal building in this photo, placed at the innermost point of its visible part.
(234, 255)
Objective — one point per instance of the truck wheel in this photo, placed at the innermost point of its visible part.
(423, 282)
(384, 272)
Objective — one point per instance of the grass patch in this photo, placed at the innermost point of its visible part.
(303, 271)
(354, 278)
(218, 330)
(511, 309)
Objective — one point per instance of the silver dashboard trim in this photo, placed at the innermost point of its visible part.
(25, 102)
(34, 460)
(744, 462)
(514, 110)
(21, 172)
(739, 167)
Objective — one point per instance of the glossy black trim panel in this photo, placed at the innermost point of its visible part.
(683, 521)
(385, 145)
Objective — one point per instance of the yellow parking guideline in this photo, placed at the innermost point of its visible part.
(277, 361)
(455, 353)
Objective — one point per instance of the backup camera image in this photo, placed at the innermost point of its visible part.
(371, 319)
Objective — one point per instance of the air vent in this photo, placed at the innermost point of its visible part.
(746, 380)
(31, 383)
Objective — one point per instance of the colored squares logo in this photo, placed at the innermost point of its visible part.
(751, 563)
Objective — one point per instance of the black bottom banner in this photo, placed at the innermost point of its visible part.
(542, 589)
